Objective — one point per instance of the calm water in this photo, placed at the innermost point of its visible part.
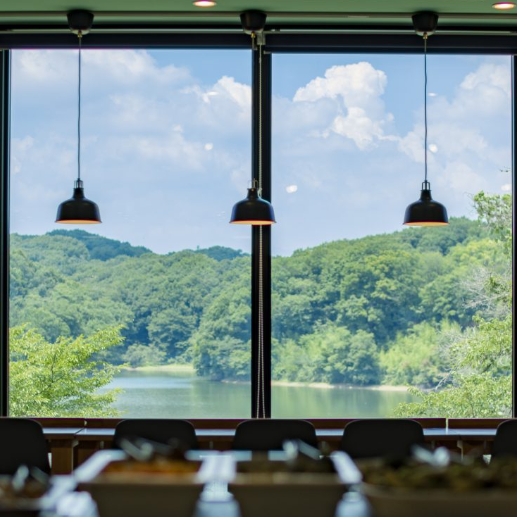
(180, 395)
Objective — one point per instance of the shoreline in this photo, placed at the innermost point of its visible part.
(188, 368)
(327, 386)
(185, 368)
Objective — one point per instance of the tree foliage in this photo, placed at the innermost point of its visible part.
(415, 307)
(61, 378)
(478, 381)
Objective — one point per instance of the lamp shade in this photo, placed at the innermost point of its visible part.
(78, 209)
(426, 211)
(253, 210)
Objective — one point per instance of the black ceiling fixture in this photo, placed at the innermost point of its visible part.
(254, 210)
(425, 211)
(78, 209)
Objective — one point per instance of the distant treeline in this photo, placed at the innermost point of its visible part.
(360, 311)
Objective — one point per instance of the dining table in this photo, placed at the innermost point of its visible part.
(215, 500)
(72, 446)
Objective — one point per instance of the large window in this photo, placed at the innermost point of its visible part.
(145, 314)
(370, 319)
(149, 313)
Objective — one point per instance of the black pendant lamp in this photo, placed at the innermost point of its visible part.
(425, 211)
(78, 209)
(255, 210)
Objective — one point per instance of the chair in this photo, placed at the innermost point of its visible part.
(269, 435)
(157, 430)
(505, 441)
(22, 443)
(373, 438)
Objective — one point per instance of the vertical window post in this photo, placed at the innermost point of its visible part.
(5, 110)
(261, 239)
(514, 229)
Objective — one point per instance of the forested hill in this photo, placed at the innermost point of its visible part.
(338, 308)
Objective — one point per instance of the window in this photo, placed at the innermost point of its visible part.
(363, 309)
(134, 317)
(149, 313)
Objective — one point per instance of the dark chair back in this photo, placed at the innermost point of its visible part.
(22, 442)
(375, 438)
(269, 435)
(157, 430)
(505, 441)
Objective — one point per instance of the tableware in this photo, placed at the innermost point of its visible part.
(121, 486)
(283, 493)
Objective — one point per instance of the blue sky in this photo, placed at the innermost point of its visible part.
(166, 142)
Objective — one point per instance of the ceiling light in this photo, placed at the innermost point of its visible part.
(78, 209)
(253, 210)
(204, 3)
(502, 6)
(426, 211)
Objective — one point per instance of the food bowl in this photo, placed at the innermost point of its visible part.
(280, 493)
(34, 499)
(399, 502)
(451, 489)
(121, 486)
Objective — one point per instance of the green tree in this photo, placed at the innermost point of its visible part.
(414, 359)
(332, 354)
(478, 383)
(480, 378)
(62, 378)
(144, 355)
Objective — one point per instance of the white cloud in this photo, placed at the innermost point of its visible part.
(358, 127)
(356, 84)
(291, 189)
(465, 128)
(460, 176)
(507, 187)
(356, 90)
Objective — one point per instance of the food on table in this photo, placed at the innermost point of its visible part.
(469, 476)
(155, 466)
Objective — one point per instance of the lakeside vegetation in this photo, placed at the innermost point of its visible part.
(427, 308)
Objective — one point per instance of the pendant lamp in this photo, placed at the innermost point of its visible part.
(255, 210)
(78, 209)
(425, 211)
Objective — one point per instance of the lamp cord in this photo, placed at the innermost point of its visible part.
(261, 379)
(425, 103)
(80, 36)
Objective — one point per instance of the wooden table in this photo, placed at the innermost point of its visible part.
(62, 442)
(224, 437)
(72, 446)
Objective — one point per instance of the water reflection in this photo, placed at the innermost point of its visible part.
(181, 395)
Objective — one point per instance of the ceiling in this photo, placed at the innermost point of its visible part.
(455, 15)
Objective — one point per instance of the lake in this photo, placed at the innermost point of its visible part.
(171, 394)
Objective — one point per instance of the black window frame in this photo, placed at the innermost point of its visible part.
(348, 43)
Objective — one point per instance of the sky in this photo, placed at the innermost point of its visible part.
(167, 134)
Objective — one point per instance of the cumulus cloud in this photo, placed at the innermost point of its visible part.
(357, 90)
(458, 126)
